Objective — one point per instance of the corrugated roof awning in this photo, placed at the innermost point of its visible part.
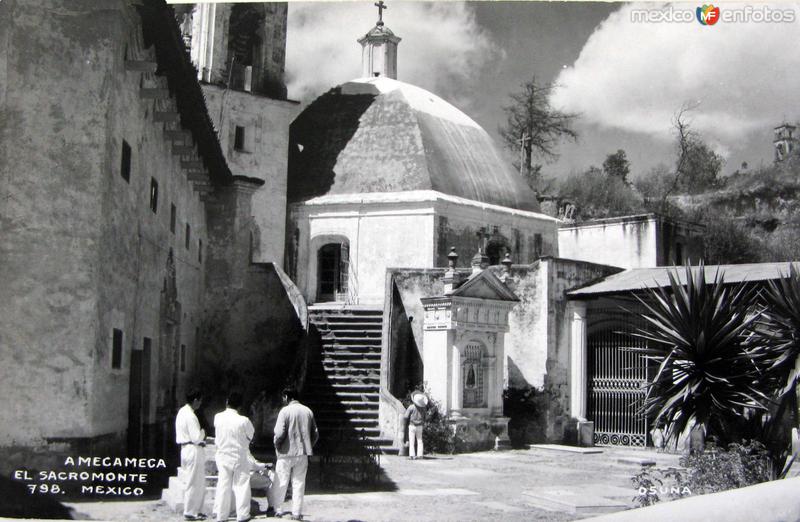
(635, 279)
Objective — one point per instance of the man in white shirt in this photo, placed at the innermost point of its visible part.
(233, 433)
(191, 438)
(295, 435)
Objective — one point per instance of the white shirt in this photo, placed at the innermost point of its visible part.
(233, 433)
(187, 427)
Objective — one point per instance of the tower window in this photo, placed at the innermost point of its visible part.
(183, 357)
(188, 236)
(125, 165)
(153, 195)
(116, 349)
(200, 251)
(173, 217)
(238, 140)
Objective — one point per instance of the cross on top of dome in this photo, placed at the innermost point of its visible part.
(381, 6)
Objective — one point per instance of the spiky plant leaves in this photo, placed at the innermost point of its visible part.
(707, 372)
(779, 328)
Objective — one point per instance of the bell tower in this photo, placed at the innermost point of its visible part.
(784, 141)
(379, 49)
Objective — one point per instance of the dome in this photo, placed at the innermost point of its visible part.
(383, 135)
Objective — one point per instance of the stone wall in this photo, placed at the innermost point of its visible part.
(264, 156)
(83, 253)
(254, 325)
(536, 346)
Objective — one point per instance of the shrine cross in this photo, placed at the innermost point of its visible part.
(381, 6)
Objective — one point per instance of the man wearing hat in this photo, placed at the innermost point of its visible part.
(415, 416)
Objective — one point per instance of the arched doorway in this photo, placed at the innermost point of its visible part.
(333, 268)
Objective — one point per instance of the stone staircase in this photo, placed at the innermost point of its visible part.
(343, 382)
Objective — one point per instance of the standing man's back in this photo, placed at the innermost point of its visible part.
(295, 436)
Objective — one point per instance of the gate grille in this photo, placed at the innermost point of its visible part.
(618, 375)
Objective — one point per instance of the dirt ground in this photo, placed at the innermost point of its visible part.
(475, 486)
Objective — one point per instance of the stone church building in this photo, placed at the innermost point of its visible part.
(169, 217)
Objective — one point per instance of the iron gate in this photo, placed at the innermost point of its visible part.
(617, 378)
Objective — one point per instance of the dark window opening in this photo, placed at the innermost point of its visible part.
(238, 140)
(116, 350)
(678, 254)
(199, 250)
(188, 236)
(495, 251)
(125, 166)
(173, 217)
(153, 195)
(537, 245)
(183, 357)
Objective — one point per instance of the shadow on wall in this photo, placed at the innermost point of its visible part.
(317, 137)
(526, 407)
(406, 360)
(257, 345)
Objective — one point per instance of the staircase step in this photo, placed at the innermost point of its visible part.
(345, 393)
(329, 325)
(339, 374)
(330, 412)
(350, 405)
(335, 349)
(356, 364)
(344, 354)
(343, 340)
(339, 333)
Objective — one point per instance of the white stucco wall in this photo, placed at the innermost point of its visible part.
(627, 244)
(398, 230)
(381, 234)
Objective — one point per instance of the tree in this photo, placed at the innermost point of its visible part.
(617, 165)
(697, 167)
(598, 195)
(534, 128)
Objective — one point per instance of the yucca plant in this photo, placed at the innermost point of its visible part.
(778, 331)
(707, 371)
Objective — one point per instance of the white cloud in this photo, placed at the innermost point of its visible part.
(442, 46)
(742, 77)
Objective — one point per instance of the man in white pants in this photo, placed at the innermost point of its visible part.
(295, 435)
(415, 417)
(233, 433)
(191, 438)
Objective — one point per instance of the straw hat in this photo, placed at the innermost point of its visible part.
(420, 399)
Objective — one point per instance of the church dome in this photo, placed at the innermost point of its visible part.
(382, 135)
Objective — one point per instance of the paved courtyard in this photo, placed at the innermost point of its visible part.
(517, 485)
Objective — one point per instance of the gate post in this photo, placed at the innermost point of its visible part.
(578, 360)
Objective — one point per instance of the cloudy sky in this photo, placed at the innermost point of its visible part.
(626, 78)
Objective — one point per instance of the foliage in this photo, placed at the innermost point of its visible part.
(727, 240)
(598, 195)
(651, 481)
(707, 372)
(617, 165)
(525, 409)
(710, 471)
(533, 127)
(779, 326)
(715, 469)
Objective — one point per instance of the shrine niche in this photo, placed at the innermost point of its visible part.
(464, 333)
